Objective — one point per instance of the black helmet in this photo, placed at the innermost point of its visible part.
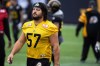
(43, 7)
(92, 4)
(54, 5)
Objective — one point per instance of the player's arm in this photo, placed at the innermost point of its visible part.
(57, 21)
(81, 22)
(56, 48)
(17, 46)
(79, 26)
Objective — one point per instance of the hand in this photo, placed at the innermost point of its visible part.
(9, 46)
(10, 59)
(97, 46)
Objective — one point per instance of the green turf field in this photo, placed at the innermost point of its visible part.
(70, 51)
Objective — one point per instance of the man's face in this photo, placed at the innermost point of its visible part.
(37, 13)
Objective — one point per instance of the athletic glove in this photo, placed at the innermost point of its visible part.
(19, 25)
(97, 46)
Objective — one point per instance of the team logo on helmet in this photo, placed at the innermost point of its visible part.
(37, 4)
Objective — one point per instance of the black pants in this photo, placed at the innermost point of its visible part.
(15, 30)
(89, 41)
(36, 62)
(2, 50)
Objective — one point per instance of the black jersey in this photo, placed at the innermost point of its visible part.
(91, 21)
(15, 12)
(58, 17)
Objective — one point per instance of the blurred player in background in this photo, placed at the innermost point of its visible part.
(56, 17)
(16, 17)
(4, 28)
(90, 21)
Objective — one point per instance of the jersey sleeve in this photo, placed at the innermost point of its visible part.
(82, 18)
(52, 29)
(26, 25)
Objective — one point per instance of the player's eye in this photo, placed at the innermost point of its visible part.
(37, 9)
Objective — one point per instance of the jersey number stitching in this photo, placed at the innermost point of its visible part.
(30, 40)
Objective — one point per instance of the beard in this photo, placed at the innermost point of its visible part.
(37, 18)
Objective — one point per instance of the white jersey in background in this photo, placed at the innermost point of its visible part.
(23, 3)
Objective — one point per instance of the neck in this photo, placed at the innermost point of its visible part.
(38, 21)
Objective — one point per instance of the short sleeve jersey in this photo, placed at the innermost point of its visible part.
(37, 38)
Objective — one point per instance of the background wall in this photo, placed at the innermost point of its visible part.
(71, 9)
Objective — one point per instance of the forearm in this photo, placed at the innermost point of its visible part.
(56, 48)
(80, 25)
(56, 56)
(18, 45)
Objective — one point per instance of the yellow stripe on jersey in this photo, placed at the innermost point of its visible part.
(38, 44)
(83, 19)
